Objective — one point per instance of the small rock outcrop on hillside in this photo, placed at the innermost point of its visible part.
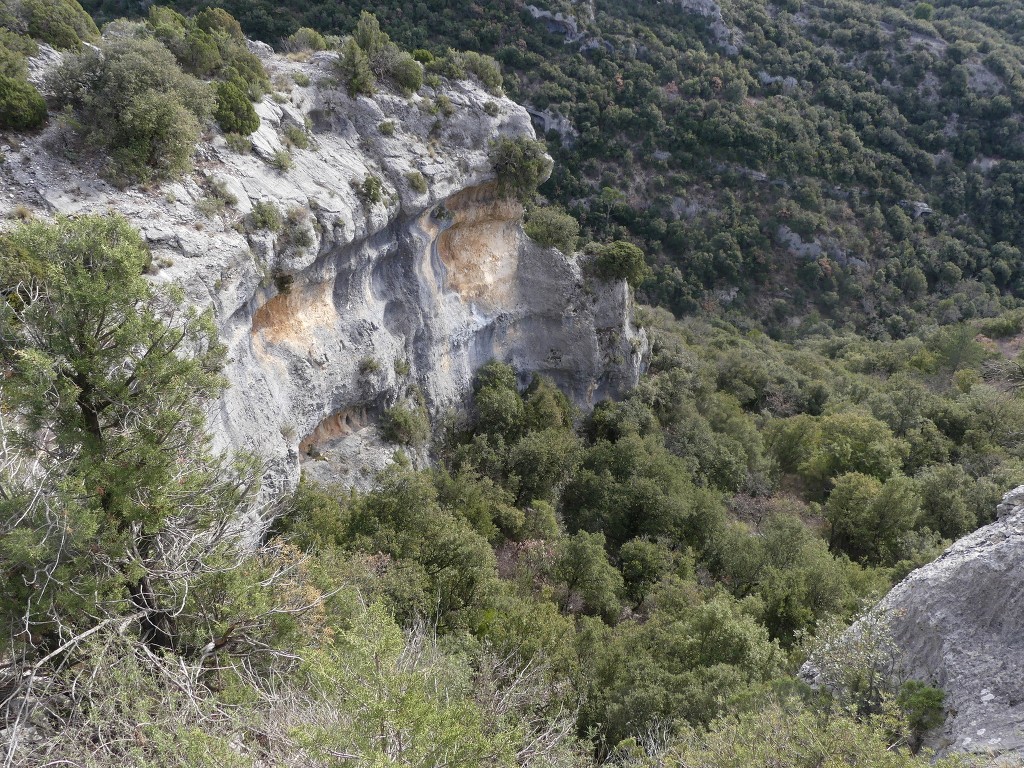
(959, 624)
(396, 273)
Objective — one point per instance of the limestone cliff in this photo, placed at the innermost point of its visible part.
(958, 623)
(361, 298)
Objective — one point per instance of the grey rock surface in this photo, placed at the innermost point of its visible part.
(323, 319)
(959, 624)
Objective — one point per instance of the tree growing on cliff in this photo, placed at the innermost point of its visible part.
(369, 55)
(131, 100)
(355, 72)
(620, 261)
(553, 227)
(520, 165)
(114, 513)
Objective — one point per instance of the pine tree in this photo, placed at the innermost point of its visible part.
(110, 499)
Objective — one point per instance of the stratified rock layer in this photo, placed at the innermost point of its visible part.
(960, 624)
(357, 302)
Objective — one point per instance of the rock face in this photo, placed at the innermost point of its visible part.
(366, 295)
(723, 36)
(959, 623)
(558, 23)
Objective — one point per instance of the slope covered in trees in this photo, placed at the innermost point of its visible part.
(634, 586)
(790, 150)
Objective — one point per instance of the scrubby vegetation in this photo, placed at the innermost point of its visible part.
(620, 261)
(520, 166)
(140, 110)
(406, 424)
(305, 39)
(234, 112)
(60, 23)
(832, 121)
(654, 567)
(553, 227)
(369, 55)
(266, 216)
(135, 97)
(834, 395)
(210, 45)
(417, 182)
(21, 105)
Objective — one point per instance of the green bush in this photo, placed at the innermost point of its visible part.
(266, 216)
(13, 50)
(305, 39)
(554, 228)
(282, 161)
(591, 584)
(370, 55)
(417, 182)
(211, 45)
(520, 165)
(406, 425)
(12, 63)
(296, 231)
(406, 72)
(354, 70)
(61, 23)
(21, 106)
(219, 20)
(1004, 326)
(155, 139)
(371, 190)
(196, 50)
(445, 106)
(296, 137)
(922, 705)
(924, 11)
(620, 261)
(483, 68)
(234, 112)
(16, 41)
(458, 65)
(368, 35)
(369, 365)
(140, 108)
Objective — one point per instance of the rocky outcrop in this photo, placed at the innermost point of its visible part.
(724, 36)
(546, 120)
(558, 23)
(959, 624)
(373, 289)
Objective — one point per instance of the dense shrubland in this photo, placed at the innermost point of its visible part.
(699, 157)
(62, 24)
(139, 97)
(635, 584)
(131, 102)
